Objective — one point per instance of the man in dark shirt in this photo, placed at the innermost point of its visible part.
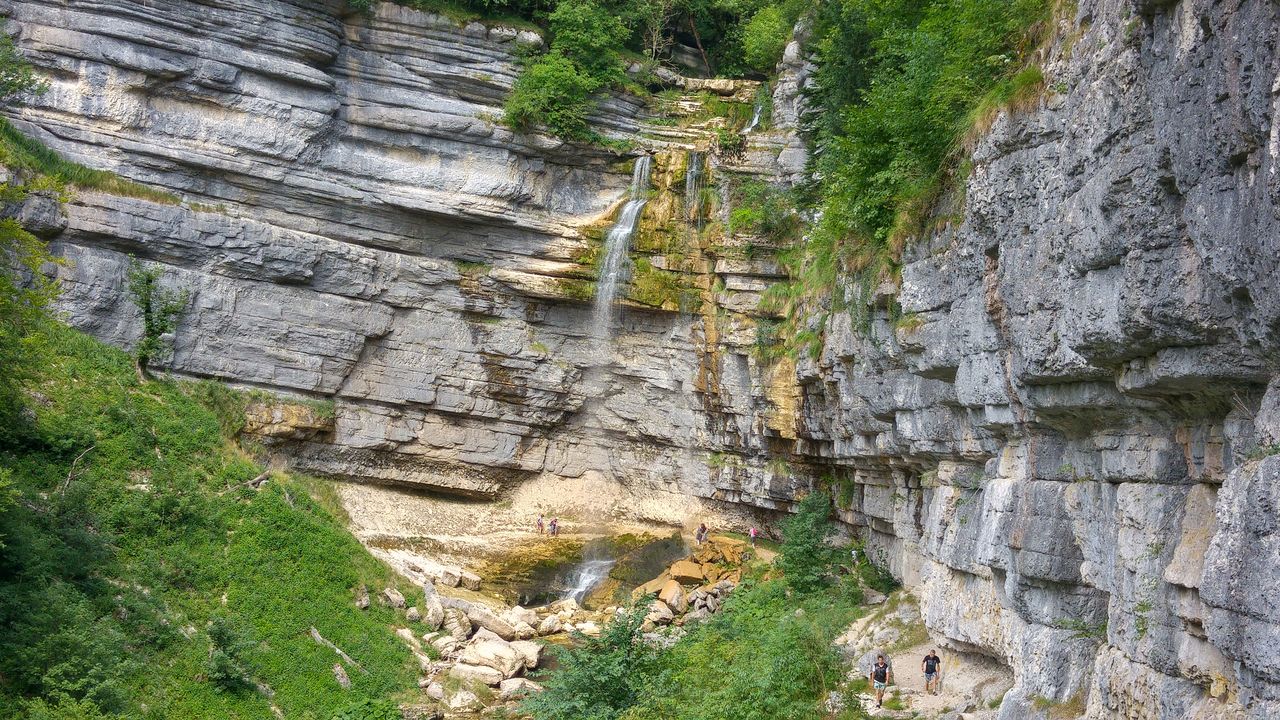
(930, 666)
(880, 676)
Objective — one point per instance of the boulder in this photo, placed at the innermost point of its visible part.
(487, 619)
(525, 631)
(514, 688)
(446, 644)
(435, 691)
(433, 616)
(659, 613)
(482, 635)
(550, 625)
(469, 580)
(464, 701)
(517, 615)
(482, 674)
(531, 651)
(674, 596)
(496, 654)
(687, 572)
(589, 628)
(653, 587)
(450, 577)
(697, 614)
(413, 614)
(362, 597)
(341, 676)
(392, 597)
(457, 624)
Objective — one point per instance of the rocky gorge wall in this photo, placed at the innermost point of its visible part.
(1064, 448)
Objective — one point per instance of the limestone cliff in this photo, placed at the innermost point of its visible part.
(1065, 447)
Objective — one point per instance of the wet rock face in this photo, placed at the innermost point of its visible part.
(1063, 449)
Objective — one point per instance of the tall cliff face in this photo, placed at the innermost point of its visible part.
(1064, 448)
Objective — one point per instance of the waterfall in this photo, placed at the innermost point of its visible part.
(617, 245)
(589, 573)
(693, 187)
(755, 118)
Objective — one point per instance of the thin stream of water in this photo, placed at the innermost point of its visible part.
(617, 245)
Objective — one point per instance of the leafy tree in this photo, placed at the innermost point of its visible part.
(806, 558)
(160, 310)
(601, 677)
(557, 89)
(25, 294)
(553, 92)
(764, 38)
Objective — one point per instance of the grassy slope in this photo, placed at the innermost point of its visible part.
(157, 562)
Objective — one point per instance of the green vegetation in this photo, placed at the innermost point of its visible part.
(767, 654)
(807, 560)
(662, 288)
(141, 568)
(160, 308)
(763, 656)
(25, 155)
(902, 87)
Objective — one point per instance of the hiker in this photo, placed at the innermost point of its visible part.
(555, 527)
(701, 535)
(752, 534)
(540, 523)
(881, 675)
(930, 666)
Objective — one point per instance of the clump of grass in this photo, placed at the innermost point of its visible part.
(24, 153)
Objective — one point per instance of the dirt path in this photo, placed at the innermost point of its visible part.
(969, 682)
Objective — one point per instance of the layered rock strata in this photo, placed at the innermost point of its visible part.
(1066, 440)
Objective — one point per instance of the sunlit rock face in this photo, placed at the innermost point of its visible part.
(1063, 446)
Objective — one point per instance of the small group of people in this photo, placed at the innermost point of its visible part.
(702, 533)
(881, 675)
(552, 528)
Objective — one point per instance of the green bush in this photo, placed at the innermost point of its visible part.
(764, 37)
(557, 89)
(553, 92)
(807, 559)
(369, 710)
(228, 666)
(599, 678)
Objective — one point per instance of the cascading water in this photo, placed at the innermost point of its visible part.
(693, 188)
(589, 573)
(617, 245)
(755, 118)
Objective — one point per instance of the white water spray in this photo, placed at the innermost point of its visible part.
(589, 573)
(617, 246)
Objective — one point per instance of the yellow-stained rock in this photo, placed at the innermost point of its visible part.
(290, 421)
(687, 572)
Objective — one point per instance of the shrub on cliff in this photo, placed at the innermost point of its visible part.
(557, 89)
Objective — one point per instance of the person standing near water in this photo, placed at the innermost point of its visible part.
(701, 535)
(752, 534)
(555, 527)
(540, 523)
